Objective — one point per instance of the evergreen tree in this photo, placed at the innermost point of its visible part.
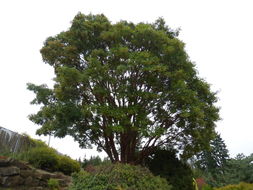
(213, 162)
(239, 169)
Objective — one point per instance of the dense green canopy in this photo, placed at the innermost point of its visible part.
(126, 88)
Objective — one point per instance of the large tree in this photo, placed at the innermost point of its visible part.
(126, 88)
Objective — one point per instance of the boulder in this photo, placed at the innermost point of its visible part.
(21, 165)
(43, 175)
(9, 171)
(19, 175)
(5, 161)
(27, 173)
(12, 181)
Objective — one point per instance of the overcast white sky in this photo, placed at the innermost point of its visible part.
(218, 36)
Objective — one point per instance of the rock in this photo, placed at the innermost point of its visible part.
(63, 182)
(27, 173)
(2, 180)
(18, 175)
(31, 182)
(21, 165)
(44, 175)
(5, 161)
(12, 181)
(9, 171)
(63, 179)
(37, 188)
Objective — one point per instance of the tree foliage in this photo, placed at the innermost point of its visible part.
(239, 169)
(165, 163)
(214, 159)
(240, 186)
(236, 170)
(95, 161)
(213, 162)
(219, 169)
(126, 88)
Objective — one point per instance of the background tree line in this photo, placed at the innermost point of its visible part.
(218, 169)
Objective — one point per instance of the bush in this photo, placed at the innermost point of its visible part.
(165, 164)
(47, 158)
(206, 187)
(53, 184)
(118, 177)
(37, 143)
(67, 165)
(240, 186)
(43, 158)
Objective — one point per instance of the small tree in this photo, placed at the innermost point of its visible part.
(215, 159)
(126, 88)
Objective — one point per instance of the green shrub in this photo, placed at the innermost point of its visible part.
(34, 142)
(43, 158)
(240, 186)
(118, 177)
(67, 165)
(47, 158)
(166, 164)
(207, 187)
(53, 184)
(38, 143)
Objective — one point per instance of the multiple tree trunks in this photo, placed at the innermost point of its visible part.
(126, 88)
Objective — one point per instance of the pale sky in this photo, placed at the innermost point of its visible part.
(218, 36)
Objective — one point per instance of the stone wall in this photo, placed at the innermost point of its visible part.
(12, 142)
(21, 176)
